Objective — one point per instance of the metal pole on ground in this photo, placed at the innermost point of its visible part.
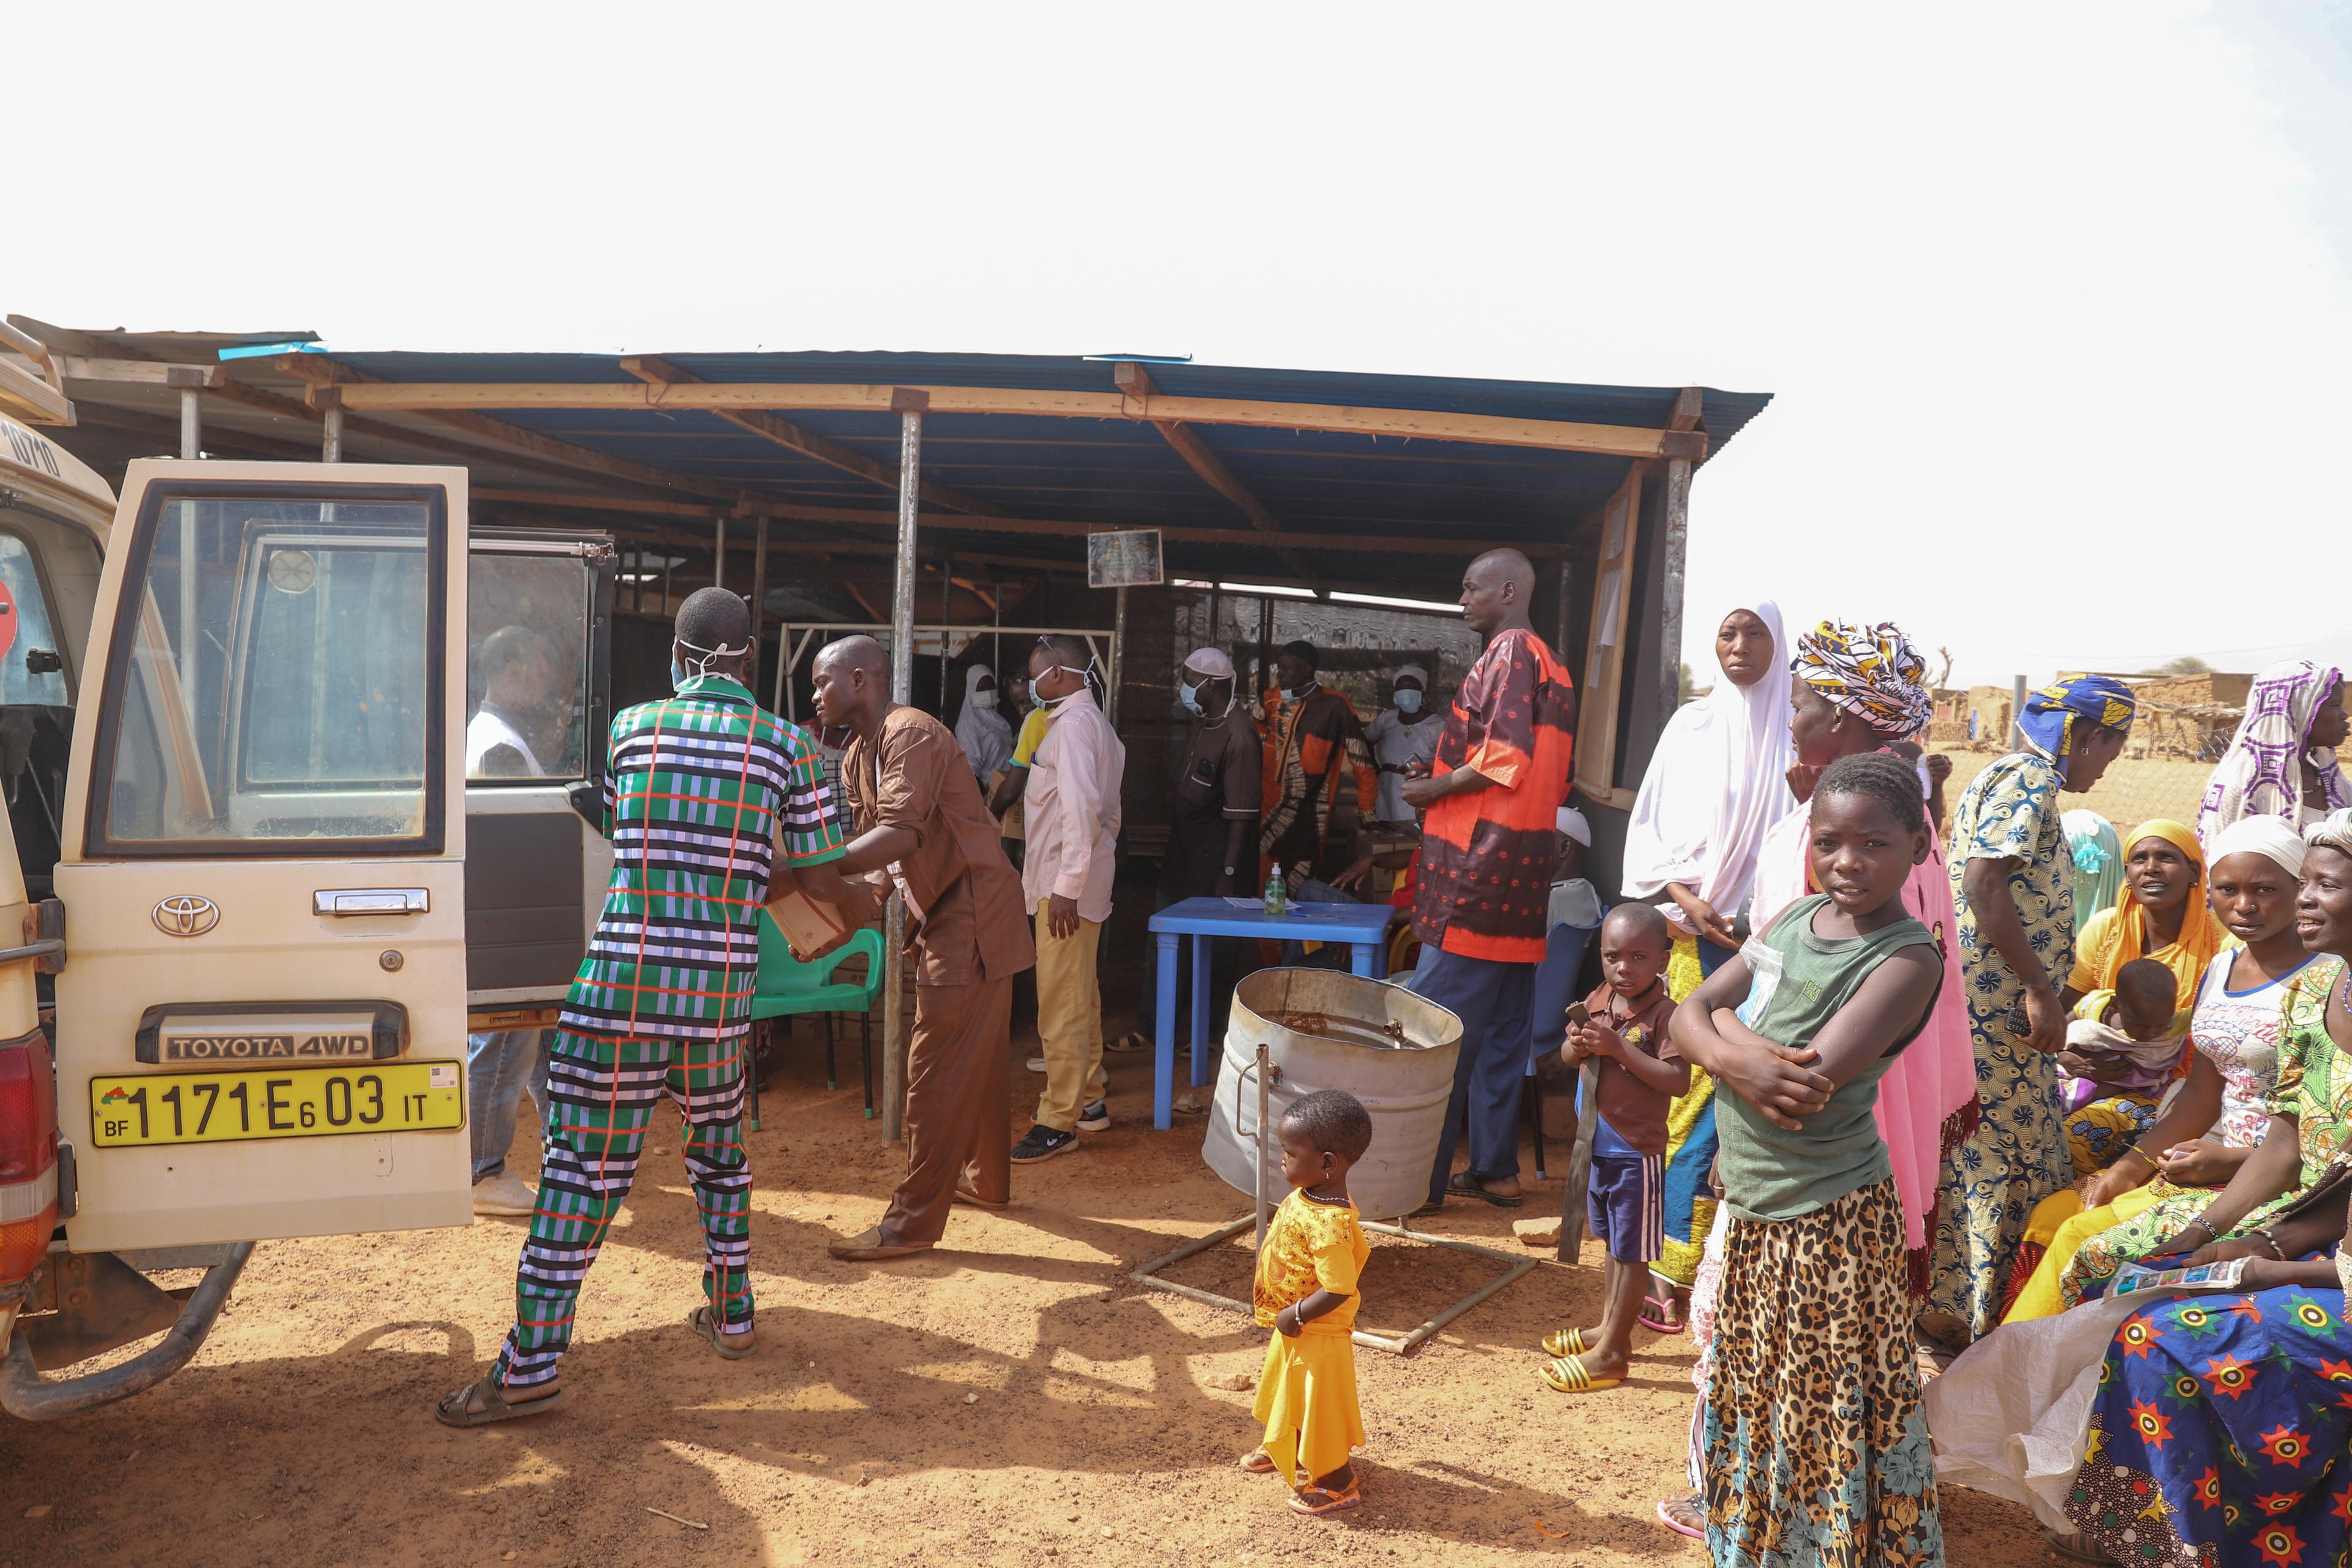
(192, 424)
(1670, 559)
(718, 559)
(902, 688)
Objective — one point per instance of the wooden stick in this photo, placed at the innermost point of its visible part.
(1579, 1162)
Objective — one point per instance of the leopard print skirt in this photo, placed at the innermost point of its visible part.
(1816, 1449)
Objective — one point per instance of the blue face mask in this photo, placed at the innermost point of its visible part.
(677, 676)
(1408, 700)
(1189, 695)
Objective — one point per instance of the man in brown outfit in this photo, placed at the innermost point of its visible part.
(919, 817)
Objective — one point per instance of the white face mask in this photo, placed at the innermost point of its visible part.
(696, 669)
(983, 698)
(1050, 703)
(1408, 700)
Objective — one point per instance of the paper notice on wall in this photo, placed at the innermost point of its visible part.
(1607, 636)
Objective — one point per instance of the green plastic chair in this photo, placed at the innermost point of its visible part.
(787, 987)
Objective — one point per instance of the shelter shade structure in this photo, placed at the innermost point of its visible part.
(1280, 490)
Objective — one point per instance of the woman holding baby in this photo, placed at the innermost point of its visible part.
(2217, 1117)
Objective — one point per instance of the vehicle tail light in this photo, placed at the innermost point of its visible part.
(28, 1155)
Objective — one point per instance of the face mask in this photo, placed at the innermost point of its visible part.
(1408, 700)
(1050, 703)
(1294, 694)
(1189, 695)
(696, 669)
(983, 698)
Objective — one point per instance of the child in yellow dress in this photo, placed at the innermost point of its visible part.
(1306, 1290)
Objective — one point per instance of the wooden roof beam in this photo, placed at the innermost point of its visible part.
(655, 371)
(334, 383)
(1403, 424)
(1135, 381)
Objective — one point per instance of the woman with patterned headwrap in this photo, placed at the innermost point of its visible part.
(2282, 763)
(2012, 885)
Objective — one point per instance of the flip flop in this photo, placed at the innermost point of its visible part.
(1666, 1507)
(1567, 1375)
(452, 1412)
(701, 1322)
(1258, 1461)
(1130, 1044)
(1314, 1499)
(1565, 1342)
(1462, 1184)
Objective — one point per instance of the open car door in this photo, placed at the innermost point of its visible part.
(260, 1028)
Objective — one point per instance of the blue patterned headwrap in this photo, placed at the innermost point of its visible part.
(2049, 713)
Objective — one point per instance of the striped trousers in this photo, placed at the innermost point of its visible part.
(603, 1094)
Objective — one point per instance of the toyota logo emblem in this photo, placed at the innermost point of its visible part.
(187, 914)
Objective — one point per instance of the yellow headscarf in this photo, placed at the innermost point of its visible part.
(2201, 935)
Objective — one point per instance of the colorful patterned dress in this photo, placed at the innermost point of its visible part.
(2017, 1155)
(701, 789)
(2314, 1087)
(2222, 1433)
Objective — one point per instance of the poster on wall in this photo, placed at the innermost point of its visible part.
(1129, 559)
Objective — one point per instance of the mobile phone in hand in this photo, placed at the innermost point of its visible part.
(1578, 1015)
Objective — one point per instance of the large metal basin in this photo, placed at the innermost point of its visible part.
(1404, 1086)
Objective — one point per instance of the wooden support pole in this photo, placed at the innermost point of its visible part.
(719, 560)
(331, 437)
(1674, 547)
(1117, 677)
(758, 594)
(902, 688)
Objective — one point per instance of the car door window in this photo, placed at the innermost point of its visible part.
(278, 681)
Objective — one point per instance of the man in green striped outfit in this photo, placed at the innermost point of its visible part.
(702, 791)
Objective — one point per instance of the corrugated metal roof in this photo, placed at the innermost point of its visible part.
(1356, 491)
(1360, 488)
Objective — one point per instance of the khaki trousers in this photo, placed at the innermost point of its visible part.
(1069, 1022)
(957, 1060)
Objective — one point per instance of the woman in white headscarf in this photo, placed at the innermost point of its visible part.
(982, 733)
(1717, 780)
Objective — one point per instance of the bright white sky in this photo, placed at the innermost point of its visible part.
(2056, 301)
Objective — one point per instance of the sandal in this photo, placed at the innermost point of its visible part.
(1314, 1500)
(1462, 1184)
(703, 1323)
(1567, 1375)
(1258, 1461)
(1131, 1043)
(1653, 1316)
(456, 1409)
(1565, 1342)
(1682, 1515)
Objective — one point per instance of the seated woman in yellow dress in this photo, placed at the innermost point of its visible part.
(2216, 1117)
(2159, 913)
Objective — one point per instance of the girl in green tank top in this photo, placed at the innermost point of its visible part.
(1814, 1445)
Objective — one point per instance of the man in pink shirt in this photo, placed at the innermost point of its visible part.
(1071, 807)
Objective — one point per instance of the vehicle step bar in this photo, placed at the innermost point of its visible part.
(26, 1394)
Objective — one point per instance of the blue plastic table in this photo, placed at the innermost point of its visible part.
(1362, 928)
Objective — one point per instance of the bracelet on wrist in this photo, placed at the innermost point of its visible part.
(2277, 1252)
(2209, 1232)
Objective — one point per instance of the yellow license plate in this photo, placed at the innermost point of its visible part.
(288, 1102)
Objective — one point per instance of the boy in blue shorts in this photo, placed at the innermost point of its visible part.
(1640, 1076)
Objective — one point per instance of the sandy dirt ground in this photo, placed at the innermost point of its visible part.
(1009, 1398)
